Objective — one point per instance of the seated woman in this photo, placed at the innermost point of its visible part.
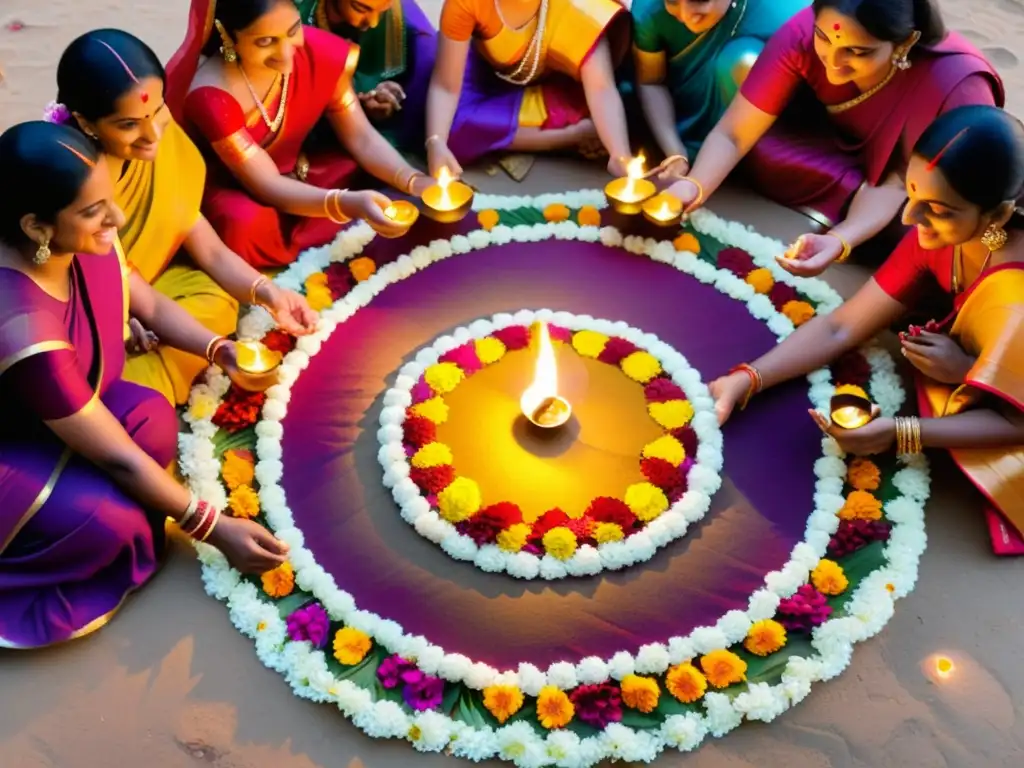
(691, 57)
(82, 451)
(540, 77)
(112, 85)
(397, 47)
(964, 179)
(253, 105)
(880, 72)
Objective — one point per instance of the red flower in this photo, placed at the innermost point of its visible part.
(662, 389)
(279, 341)
(239, 409)
(851, 368)
(605, 509)
(513, 337)
(583, 528)
(688, 438)
(558, 333)
(465, 357)
(781, 294)
(339, 279)
(662, 474)
(597, 705)
(553, 518)
(737, 261)
(433, 480)
(485, 525)
(418, 431)
(616, 349)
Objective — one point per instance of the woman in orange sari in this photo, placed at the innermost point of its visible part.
(964, 179)
(276, 185)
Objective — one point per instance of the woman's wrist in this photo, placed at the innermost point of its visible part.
(199, 519)
(213, 346)
(334, 206)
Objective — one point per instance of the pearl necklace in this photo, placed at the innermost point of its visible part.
(529, 64)
(275, 124)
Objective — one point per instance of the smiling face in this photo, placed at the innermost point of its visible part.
(89, 224)
(698, 15)
(134, 130)
(941, 215)
(362, 14)
(848, 52)
(271, 40)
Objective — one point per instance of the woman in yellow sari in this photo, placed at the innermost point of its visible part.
(112, 85)
(963, 182)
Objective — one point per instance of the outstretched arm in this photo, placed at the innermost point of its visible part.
(604, 102)
(443, 99)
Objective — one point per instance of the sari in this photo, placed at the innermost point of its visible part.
(491, 110)
(73, 546)
(401, 48)
(321, 82)
(704, 71)
(828, 145)
(161, 202)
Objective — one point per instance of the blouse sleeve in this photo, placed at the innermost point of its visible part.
(649, 52)
(458, 20)
(779, 70)
(345, 97)
(50, 383)
(218, 117)
(902, 274)
(973, 90)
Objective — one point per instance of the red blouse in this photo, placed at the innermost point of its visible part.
(911, 271)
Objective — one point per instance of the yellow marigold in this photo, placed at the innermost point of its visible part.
(641, 366)
(761, 280)
(460, 500)
(503, 701)
(488, 219)
(362, 268)
(686, 683)
(556, 212)
(686, 242)
(672, 414)
(318, 295)
(560, 542)
(588, 216)
(554, 710)
(646, 500)
(640, 693)
(238, 469)
(589, 343)
(489, 349)
(723, 668)
(606, 532)
(444, 377)
(851, 389)
(861, 505)
(244, 502)
(279, 582)
(432, 455)
(513, 538)
(666, 447)
(435, 409)
(351, 645)
(829, 579)
(799, 312)
(864, 475)
(765, 637)
(202, 406)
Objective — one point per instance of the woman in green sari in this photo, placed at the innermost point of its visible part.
(691, 57)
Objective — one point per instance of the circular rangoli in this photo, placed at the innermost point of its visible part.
(801, 552)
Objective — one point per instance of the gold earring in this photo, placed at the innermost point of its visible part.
(227, 48)
(995, 237)
(42, 253)
(901, 56)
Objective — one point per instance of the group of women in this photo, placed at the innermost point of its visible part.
(136, 219)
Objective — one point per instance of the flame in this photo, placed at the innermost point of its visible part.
(664, 212)
(634, 171)
(444, 180)
(545, 376)
(944, 666)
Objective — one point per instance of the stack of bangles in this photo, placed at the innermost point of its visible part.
(908, 436)
(405, 186)
(254, 288)
(756, 383)
(214, 344)
(332, 206)
(199, 520)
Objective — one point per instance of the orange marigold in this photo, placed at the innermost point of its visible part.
(318, 294)
(244, 502)
(238, 469)
(861, 505)
(723, 668)
(554, 709)
(279, 582)
(686, 683)
(556, 212)
(503, 701)
(864, 475)
(640, 693)
(687, 242)
(362, 268)
(761, 280)
(829, 578)
(351, 645)
(488, 219)
(588, 216)
(799, 312)
(765, 637)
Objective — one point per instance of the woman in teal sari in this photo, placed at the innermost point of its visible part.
(691, 57)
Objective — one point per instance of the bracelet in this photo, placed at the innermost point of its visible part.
(412, 179)
(908, 436)
(259, 281)
(197, 520)
(700, 190)
(756, 382)
(213, 345)
(215, 518)
(847, 248)
(337, 216)
(190, 511)
(432, 137)
(672, 158)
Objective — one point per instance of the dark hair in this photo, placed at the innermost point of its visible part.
(980, 151)
(100, 67)
(43, 177)
(892, 20)
(234, 16)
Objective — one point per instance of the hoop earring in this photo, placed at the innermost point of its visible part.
(42, 254)
(995, 237)
(227, 48)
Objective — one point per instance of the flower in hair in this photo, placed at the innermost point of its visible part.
(56, 113)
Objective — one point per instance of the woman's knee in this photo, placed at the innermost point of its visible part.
(150, 420)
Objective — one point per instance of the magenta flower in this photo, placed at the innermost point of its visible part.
(616, 350)
(310, 624)
(56, 113)
(425, 693)
(465, 357)
(856, 534)
(558, 333)
(513, 337)
(395, 671)
(597, 705)
(421, 391)
(804, 611)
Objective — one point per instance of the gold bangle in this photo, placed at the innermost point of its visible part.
(212, 346)
(396, 180)
(847, 248)
(337, 216)
(915, 423)
(253, 300)
(700, 190)
(190, 510)
(412, 179)
(432, 137)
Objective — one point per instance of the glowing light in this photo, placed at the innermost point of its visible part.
(540, 401)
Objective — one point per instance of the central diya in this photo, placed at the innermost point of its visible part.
(540, 402)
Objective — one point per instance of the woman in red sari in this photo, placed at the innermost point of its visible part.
(277, 186)
(963, 180)
(878, 73)
(83, 487)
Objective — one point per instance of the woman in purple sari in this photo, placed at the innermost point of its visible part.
(84, 490)
(828, 117)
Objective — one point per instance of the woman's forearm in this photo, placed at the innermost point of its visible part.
(717, 158)
(151, 485)
(441, 105)
(604, 101)
(660, 112)
(871, 210)
(171, 323)
(979, 428)
(373, 152)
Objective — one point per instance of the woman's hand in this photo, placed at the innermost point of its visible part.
(439, 156)
(226, 357)
(877, 436)
(383, 101)
(937, 356)
(141, 340)
(673, 170)
(811, 255)
(729, 392)
(248, 546)
(687, 193)
(420, 184)
(370, 206)
(290, 310)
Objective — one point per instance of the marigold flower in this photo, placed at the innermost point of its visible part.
(765, 637)
(514, 538)
(444, 377)
(672, 414)
(554, 710)
(665, 447)
(864, 475)
(608, 532)
(244, 502)
(560, 543)
(418, 431)
(238, 468)
(433, 480)
(861, 505)
(588, 216)
(489, 349)
(589, 343)
(488, 219)
(556, 212)
(432, 455)
(723, 668)
(829, 578)
(279, 582)
(362, 268)
(460, 500)
(503, 701)
(351, 645)
(318, 293)
(799, 312)
(202, 407)
(687, 243)
(641, 366)
(646, 500)
(686, 683)
(640, 693)
(761, 280)
(434, 409)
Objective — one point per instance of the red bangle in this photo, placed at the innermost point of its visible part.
(197, 520)
(755, 381)
(202, 531)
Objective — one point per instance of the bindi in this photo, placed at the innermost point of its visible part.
(144, 96)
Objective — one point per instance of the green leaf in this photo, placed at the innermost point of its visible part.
(669, 705)
(451, 697)
(857, 567)
(471, 712)
(632, 718)
(363, 674)
(769, 669)
(288, 605)
(244, 439)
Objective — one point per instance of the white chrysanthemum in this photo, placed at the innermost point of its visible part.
(684, 732)
(476, 744)
(433, 731)
(681, 649)
(563, 747)
(385, 720)
(722, 717)
(352, 700)
(708, 639)
(455, 667)
(630, 746)
(531, 679)
(761, 702)
(480, 676)
(621, 665)
(592, 671)
(652, 659)
(562, 675)
(522, 745)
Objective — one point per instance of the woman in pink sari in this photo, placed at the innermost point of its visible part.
(879, 71)
(84, 492)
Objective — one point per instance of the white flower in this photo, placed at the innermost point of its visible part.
(652, 659)
(761, 702)
(476, 744)
(352, 700)
(562, 675)
(592, 671)
(384, 720)
(564, 748)
(621, 665)
(434, 731)
(521, 744)
(684, 732)
(631, 746)
(708, 639)
(531, 679)
(721, 716)
(455, 667)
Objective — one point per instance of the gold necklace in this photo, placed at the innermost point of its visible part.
(275, 124)
(957, 268)
(834, 109)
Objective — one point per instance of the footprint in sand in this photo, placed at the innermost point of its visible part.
(1002, 58)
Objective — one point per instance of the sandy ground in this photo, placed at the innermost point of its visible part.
(170, 684)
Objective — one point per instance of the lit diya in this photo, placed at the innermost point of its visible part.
(627, 195)
(851, 411)
(255, 358)
(540, 402)
(449, 200)
(403, 213)
(663, 209)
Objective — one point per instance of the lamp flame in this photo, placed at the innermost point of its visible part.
(444, 180)
(545, 377)
(664, 212)
(634, 171)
